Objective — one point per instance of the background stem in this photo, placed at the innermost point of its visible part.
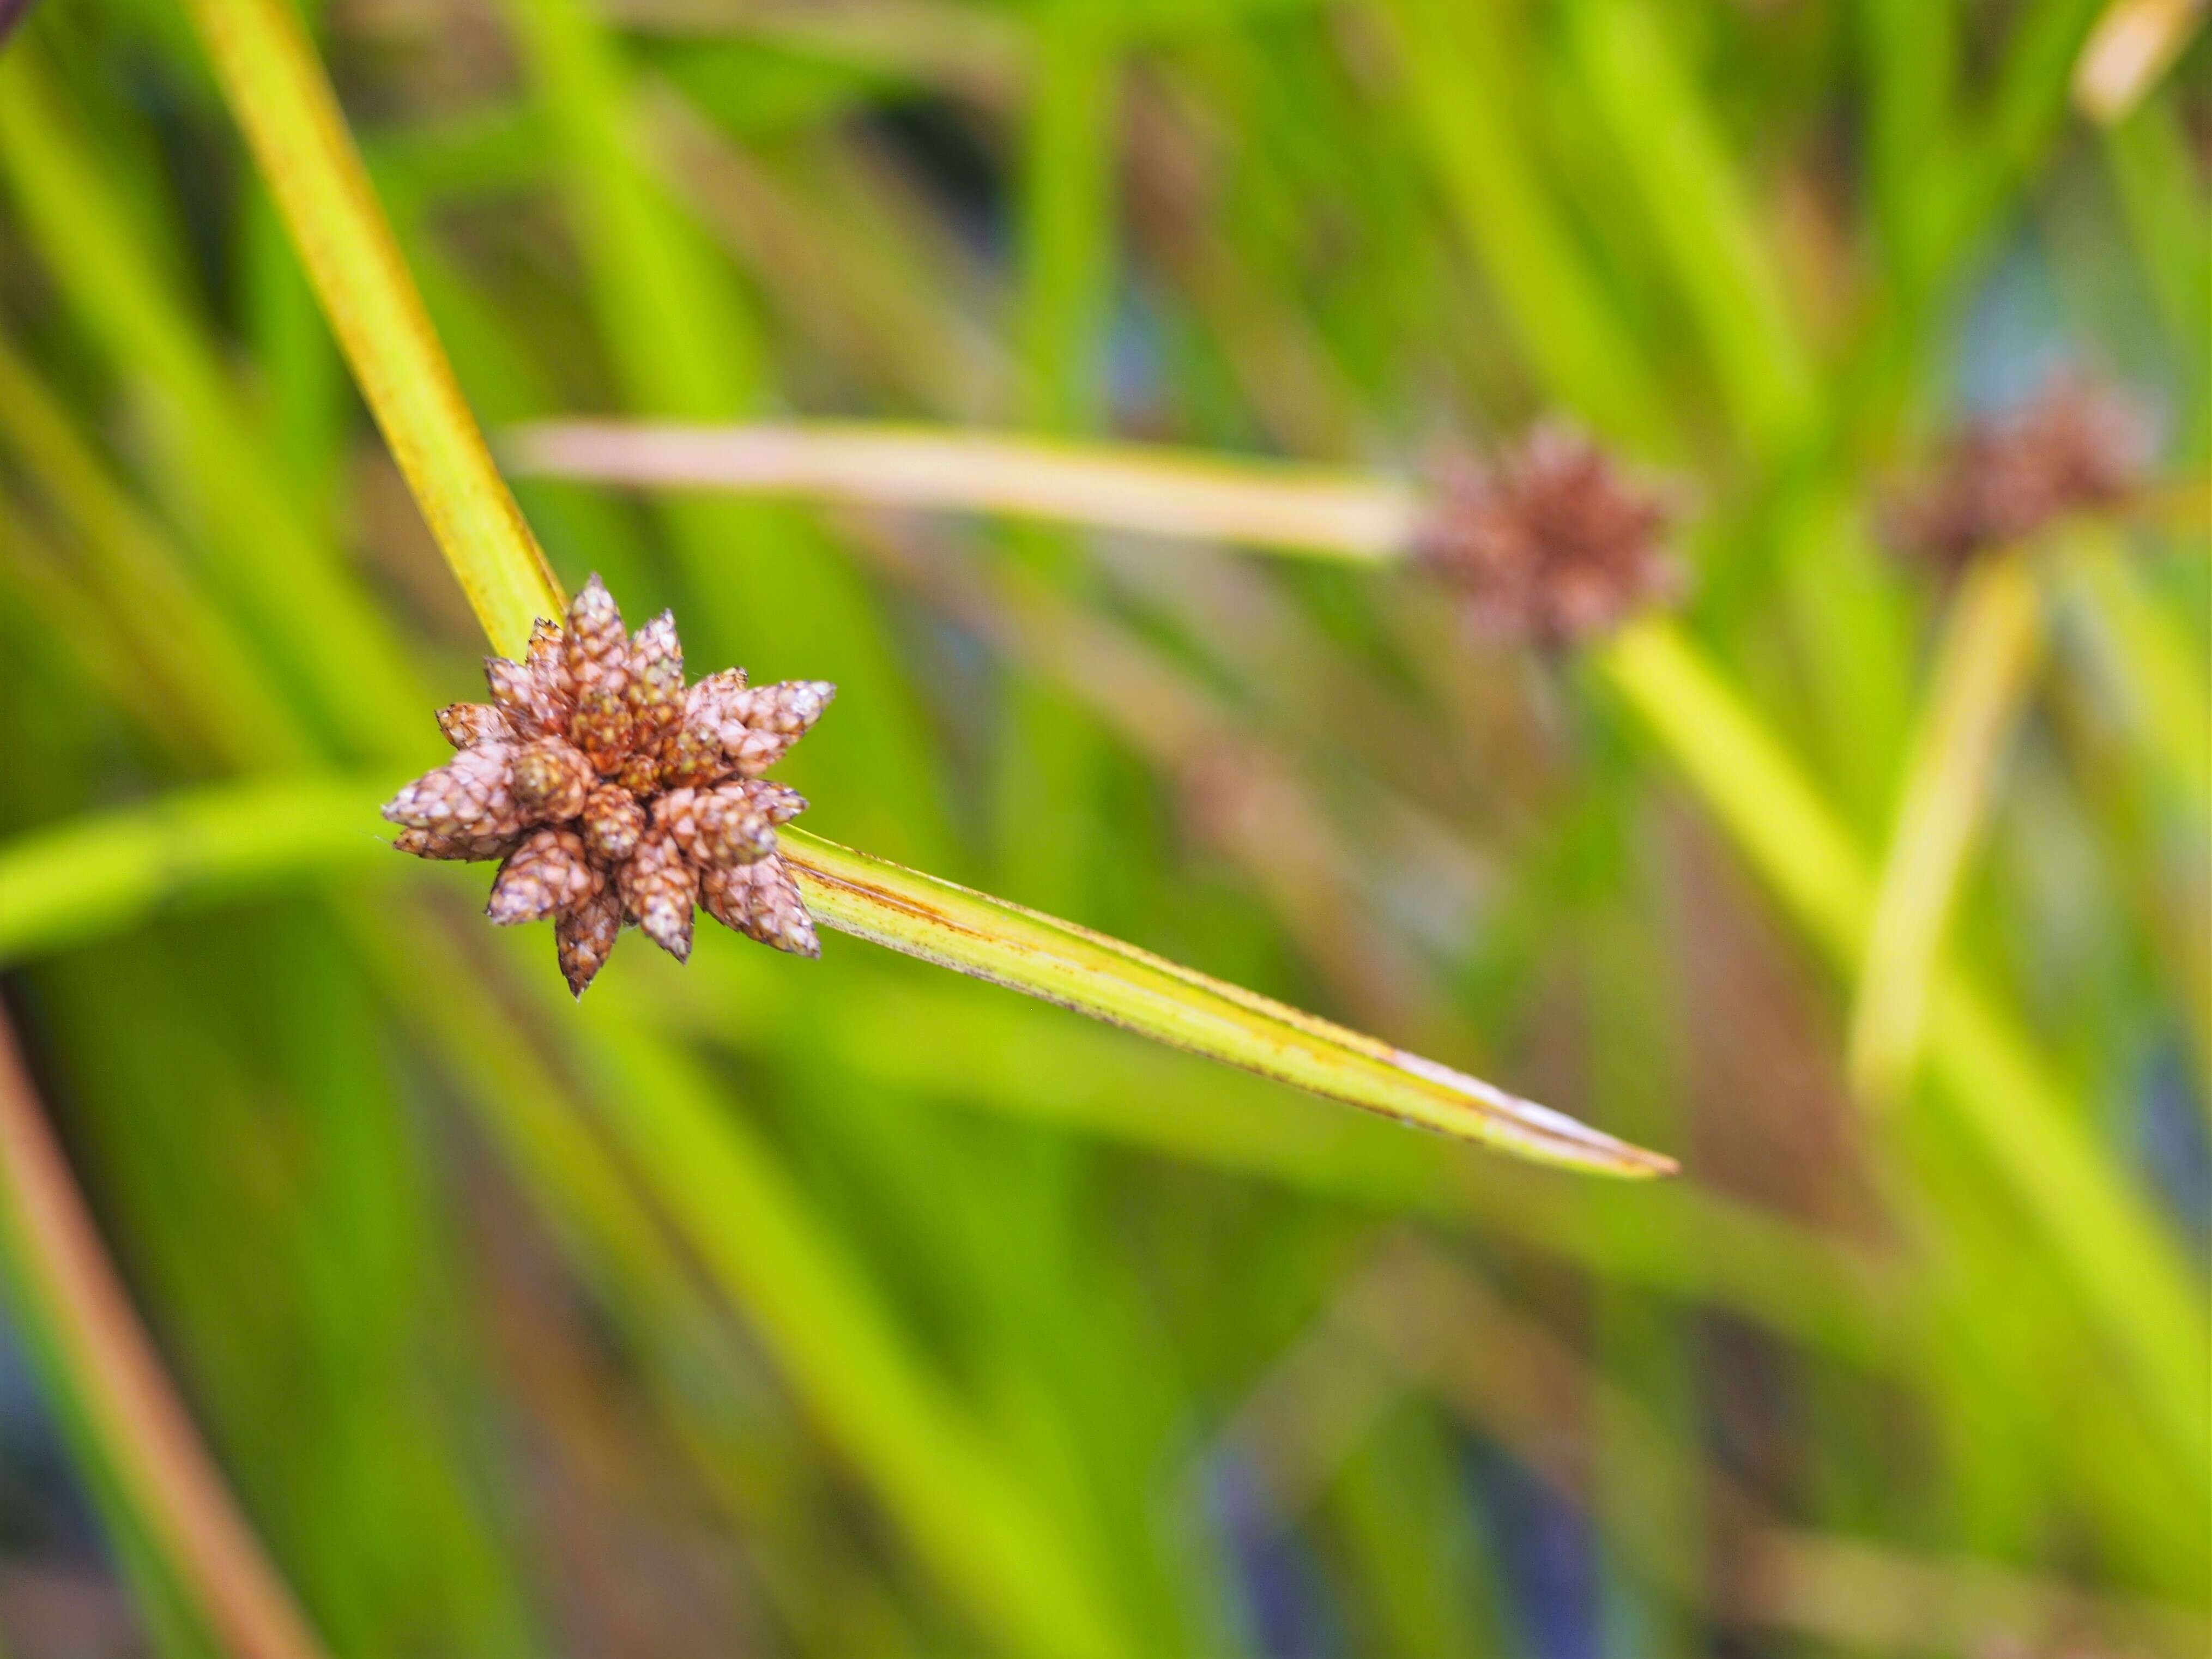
(1278, 505)
(106, 1365)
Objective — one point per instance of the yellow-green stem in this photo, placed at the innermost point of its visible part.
(2131, 1279)
(1059, 962)
(1991, 644)
(2160, 680)
(292, 122)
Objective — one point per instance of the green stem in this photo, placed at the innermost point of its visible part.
(1991, 641)
(298, 135)
(1059, 962)
(2130, 1278)
(79, 881)
(2159, 679)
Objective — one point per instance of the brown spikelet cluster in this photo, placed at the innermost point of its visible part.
(1551, 542)
(2076, 446)
(614, 794)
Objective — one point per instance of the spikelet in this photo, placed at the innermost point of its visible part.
(692, 757)
(612, 823)
(459, 845)
(658, 887)
(471, 794)
(758, 725)
(761, 901)
(656, 681)
(597, 652)
(468, 724)
(717, 826)
(549, 875)
(547, 659)
(585, 937)
(551, 778)
(522, 700)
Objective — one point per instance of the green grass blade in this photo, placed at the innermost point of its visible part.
(978, 1524)
(2161, 678)
(192, 651)
(276, 572)
(611, 1211)
(2026, 111)
(78, 881)
(1462, 90)
(1748, 779)
(1912, 51)
(1068, 260)
(1990, 649)
(2162, 195)
(1666, 137)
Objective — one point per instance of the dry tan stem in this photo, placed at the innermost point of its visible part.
(168, 1475)
(1127, 486)
(2133, 43)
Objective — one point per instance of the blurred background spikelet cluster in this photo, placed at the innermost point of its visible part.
(770, 1307)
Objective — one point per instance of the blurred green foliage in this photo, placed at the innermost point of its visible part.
(763, 1306)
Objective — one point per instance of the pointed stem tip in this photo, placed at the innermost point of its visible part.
(1042, 956)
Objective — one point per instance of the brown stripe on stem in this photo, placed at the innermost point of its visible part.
(1059, 962)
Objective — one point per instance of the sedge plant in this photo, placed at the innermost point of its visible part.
(292, 124)
(1018, 1285)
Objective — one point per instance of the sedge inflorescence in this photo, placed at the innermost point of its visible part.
(2077, 445)
(615, 795)
(1550, 542)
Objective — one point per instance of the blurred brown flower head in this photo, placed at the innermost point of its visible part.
(2077, 445)
(615, 795)
(1551, 541)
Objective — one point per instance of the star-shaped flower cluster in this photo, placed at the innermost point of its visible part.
(2077, 445)
(613, 794)
(1551, 541)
